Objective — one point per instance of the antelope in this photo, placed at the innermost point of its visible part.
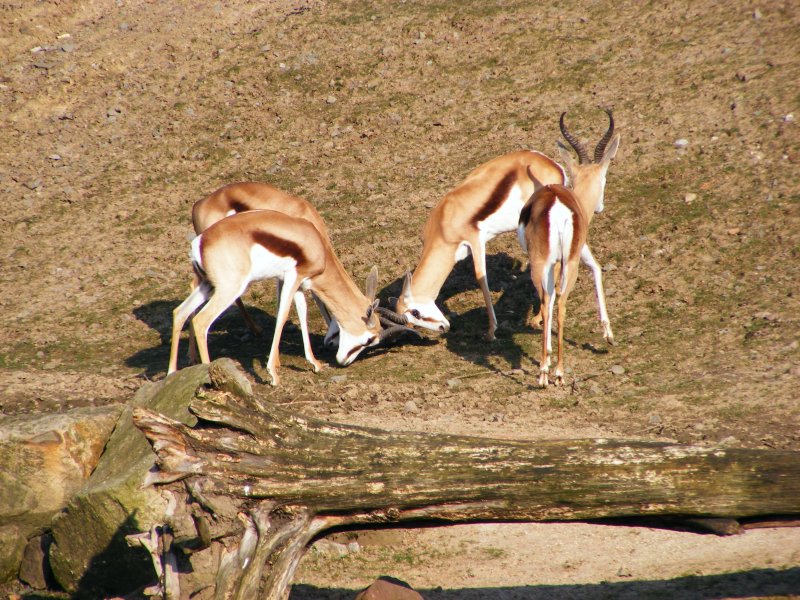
(239, 197)
(553, 229)
(263, 244)
(487, 203)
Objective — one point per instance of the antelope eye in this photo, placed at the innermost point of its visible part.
(415, 314)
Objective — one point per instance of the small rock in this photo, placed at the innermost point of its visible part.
(339, 378)
(757, 14)
(618, 370)
(734, 231)
(124, 27)
(411, 407)
(654, 419)
(389, 588)
(353, 547)
(67, 47)
(767, 316)
(54, 157)
(681, 143)
(33, 184)
(788, 118)
(330, 100)
(689, 198)
(329, 548)
(455, 382)
(34, 569)
(609, 267)
(729, 442)
(624, 572)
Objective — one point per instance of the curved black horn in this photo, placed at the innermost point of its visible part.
(392, 316)
(601, 145)
(394, 331)
(583, 157)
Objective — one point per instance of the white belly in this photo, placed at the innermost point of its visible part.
(266, 265)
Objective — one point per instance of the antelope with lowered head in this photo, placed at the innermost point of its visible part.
(243, 196)
(264, 244)
(553, 229)
(486, 204)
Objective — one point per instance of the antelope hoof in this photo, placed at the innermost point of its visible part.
(559, 380)
(489, 336)
(275, 380)
(543, 382)
(317, 366)
(608, 335)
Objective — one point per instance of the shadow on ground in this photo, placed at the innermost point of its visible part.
(745, 584)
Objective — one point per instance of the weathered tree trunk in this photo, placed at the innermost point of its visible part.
(288, 478)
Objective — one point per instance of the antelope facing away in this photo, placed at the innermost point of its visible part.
(264, 244)
(553, 229)
(239, 197)
(485, 204)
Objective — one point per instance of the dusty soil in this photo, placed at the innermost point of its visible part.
(117, 116)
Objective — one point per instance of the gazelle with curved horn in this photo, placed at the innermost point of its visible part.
(264, 244)
(486, 204)
(553, 229)
(244, 196)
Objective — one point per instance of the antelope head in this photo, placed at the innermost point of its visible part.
(380, 325)
(589, 175)
(421, 312)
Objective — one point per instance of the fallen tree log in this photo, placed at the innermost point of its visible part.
(263, 482)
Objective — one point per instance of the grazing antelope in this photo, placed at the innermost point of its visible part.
(239, 197)
(553, 229)
(485, 204)
(264, 244)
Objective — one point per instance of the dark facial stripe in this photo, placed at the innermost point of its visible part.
(355, 349)
(498, 195)
(279, 246)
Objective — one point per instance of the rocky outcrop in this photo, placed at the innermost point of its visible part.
(89, 551)
(44, 460)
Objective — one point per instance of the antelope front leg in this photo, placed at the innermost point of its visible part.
(597, 273)
(479, 259)
(287, 291)
(301, 307)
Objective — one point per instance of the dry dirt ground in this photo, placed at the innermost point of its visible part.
(118, 115)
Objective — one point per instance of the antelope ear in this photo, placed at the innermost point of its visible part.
(406, 293)
(566, 156)
(372, 283)
(611, 150)
(372, 317)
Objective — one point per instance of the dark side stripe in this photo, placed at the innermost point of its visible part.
(279, 246)
(497, 197)
(239, 206)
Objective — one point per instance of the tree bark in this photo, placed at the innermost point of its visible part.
(294, 477)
